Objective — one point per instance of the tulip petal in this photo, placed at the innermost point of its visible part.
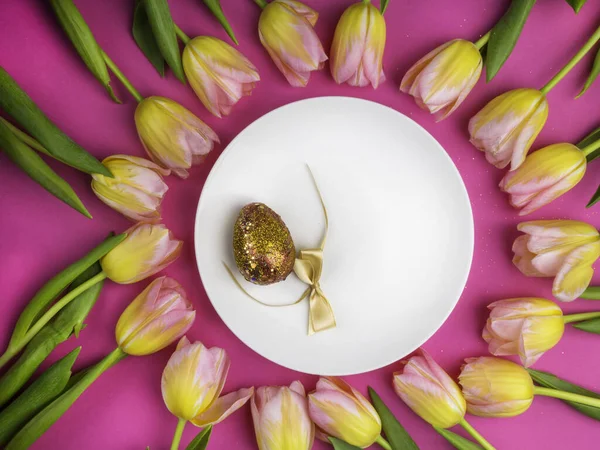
(223, 407)
(408, 81)
(576, 273)
(539, 334)
(523, 257)
(302, 10)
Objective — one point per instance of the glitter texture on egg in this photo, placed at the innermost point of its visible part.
(262, 245)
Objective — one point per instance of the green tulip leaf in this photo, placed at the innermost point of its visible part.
(163, 30)
(394, 432)
(82, 38)
(201, 440)
(592, 76)
(458, 441)
(34, 166)
(383, 5)
(590, 325)
(576, 4)
(25, 138)
(594, 198)
(588, 140)
(215, 8)
(42, 391)
(144, 38)
(548, 380)
(505, 34)
(341, 445)
(17, 104)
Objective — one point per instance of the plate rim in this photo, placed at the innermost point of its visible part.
(471, 231)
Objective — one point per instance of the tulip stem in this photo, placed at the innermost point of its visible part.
(13, 350)
(591, 148)
(181, 35)
(591, 293)
(567, 68)
(562, 395)
(122, 78)
(383, 443)
(261, 3)
(178, 433)
(581, 316)
(482, 40)
(478, 437)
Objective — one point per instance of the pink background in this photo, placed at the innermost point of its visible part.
(40, 235)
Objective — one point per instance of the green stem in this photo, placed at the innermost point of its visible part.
(181, 35)
(590, 148)
(383, 443)
(581, 316)
(122, 78)
(562, 395)
(478, 437)
(178, 433)
(567, 68)
(14, 349)
(261, 3)
(482, 40)
(24, 137)
(591, 293)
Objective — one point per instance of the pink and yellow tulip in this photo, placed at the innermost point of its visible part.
(544, 176)
(343, 412)
(442, 79)
(281, 419)
(507, 126)
(563, 249)
(137, 189)
(160, 315)
(172, 135)
(218, 73)
(527, 327)
(495, 387)
(429, 391)
(147, 249)
(286, 31)
(358, 44)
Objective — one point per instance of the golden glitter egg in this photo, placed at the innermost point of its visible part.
(262, 245)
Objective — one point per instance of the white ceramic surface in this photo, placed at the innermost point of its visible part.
(400, 243)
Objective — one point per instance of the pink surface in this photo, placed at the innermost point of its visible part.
(40, 235)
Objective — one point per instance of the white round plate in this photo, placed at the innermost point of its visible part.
(400, 239)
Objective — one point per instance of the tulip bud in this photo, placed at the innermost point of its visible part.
(286, 31)
(357, 47)
(523, 326)
(137, 189)
(429, 391)
(281, 419)
(343, 412)
(563, 249)
(172, 135)
(507, 126)
(192, 383)
(147, 249)
(157, 317)
(495, 387)
(442, 79)
(218, 73)
(545, 175)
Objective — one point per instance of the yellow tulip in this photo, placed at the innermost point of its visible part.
(507, 126)
(157, 317)
(172, 135)
(495, 387)
(147, 249)
(357, 47)
(136, 190)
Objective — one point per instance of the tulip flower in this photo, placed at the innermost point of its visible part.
(158, 316)
(281, 419)
(172, 135)
(136, 189)
(357, 47)
(218, 73)
(285, 28)
(192, 383)
(147, 249)
(544, 176)
(341, 411)
(563, 249)
(442, 79)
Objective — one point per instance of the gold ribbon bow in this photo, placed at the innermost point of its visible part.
(308, 268)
